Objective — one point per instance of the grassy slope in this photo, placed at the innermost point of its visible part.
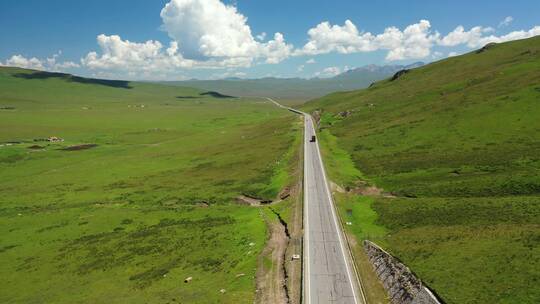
(127, 221)
(459, 142)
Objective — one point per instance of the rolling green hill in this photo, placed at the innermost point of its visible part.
(457, 142)
(138, 194)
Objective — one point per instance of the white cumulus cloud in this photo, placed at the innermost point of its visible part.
(506, 21)
(206, 29)
(52, 63)
(228, 74)
(275, 50)
(48, 64)
(515, 35)
(261, 36)
(120, 54)
(326, 38)
(204, 33)
(415, 41)
(328, 72)
(460, 36)
(437, 55)
(23, 62)
(117, 54)
(479, 36)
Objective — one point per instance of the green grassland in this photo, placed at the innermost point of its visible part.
(128, 220)
(458, 143)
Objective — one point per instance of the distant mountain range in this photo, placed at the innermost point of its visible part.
(298, 88)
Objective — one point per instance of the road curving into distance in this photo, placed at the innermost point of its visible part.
(329, 273)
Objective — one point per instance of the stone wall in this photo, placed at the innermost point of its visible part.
(402, 285)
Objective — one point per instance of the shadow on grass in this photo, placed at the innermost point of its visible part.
(46, 75)
(216, 95)
(209, 93)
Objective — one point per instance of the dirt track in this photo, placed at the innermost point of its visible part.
(271, 276)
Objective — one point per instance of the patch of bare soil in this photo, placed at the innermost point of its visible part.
(316, 118)
(365, 189)
(285, 193)
(79, 147)
(248, 200)
(202, 205)
(256, 202)
(368, 191)
(293, 268)
(271, 282)
(336, 188)
(283, 282)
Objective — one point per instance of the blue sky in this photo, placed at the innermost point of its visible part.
(179, 39)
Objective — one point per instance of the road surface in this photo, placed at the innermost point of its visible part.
(329, 274)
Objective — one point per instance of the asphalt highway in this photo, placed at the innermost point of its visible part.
(329, 274)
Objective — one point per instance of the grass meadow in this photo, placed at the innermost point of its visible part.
(138, 196)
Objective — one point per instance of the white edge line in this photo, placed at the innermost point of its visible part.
(338, 229)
